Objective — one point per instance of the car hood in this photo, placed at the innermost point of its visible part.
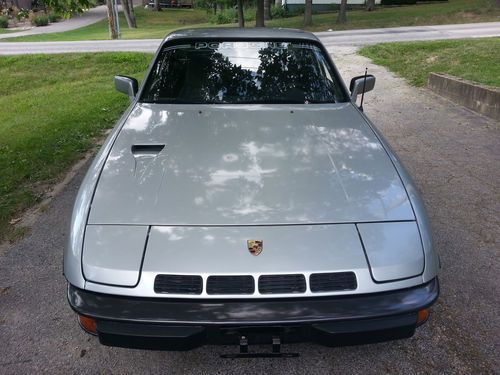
(247, 165)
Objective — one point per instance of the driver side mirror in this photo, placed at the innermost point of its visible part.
(359, 85)
(127, 85)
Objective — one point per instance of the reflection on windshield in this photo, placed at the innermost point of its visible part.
(242, 72)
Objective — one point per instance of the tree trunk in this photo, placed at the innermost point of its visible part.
(370, 5)
(267, 10)
(132, 13)
(241, 15)
(156, 6)
(128, 11)
(342, 18)
(113, 31)
(308, 19)
(259, 15)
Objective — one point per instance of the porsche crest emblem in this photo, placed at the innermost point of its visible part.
(255, 246)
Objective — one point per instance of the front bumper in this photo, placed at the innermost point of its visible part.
(181, 324)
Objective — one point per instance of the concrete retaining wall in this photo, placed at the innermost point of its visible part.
(482, 99)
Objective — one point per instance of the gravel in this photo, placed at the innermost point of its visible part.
(454, 156)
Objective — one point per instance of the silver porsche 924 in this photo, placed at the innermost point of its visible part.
(244, 197)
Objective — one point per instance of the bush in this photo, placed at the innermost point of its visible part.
(4, 22)
(22, 14)
(54, 17)
(250, 14)
(41, 20)
(278, 11)
(398, 2)
(221, 18)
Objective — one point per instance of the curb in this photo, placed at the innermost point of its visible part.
(482, 99)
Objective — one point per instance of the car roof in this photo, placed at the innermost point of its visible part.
(232, 33)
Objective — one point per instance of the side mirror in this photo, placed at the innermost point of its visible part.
(359, 85)
(127, 85)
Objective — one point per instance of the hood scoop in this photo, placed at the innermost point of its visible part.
(147, 149)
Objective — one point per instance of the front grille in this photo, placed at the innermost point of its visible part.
(230, 285)
(330, 282)
(178, 284)
(280, 284)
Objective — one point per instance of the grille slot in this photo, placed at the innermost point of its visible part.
(330, 282)
(281, 284)
(178, 284)
(230, 285)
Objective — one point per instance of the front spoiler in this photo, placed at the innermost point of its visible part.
(169, 323)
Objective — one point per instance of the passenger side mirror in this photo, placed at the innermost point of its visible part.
(127, 85)
(359, 85)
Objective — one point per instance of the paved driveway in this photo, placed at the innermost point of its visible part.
(454, 156)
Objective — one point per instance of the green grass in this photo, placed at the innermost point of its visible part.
(473, 59)
(5, 31)
(53, 108)
(158, 24)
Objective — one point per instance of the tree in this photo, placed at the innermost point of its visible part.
(156, 6)
(128, 11)
(241, 15)
(308, 13)
(113, 29)
(68, 7)
(370, 5)
(267, 10)
(259, 15)
(342, 17)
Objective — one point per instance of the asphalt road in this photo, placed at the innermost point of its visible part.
(454, 156)
(331, 39)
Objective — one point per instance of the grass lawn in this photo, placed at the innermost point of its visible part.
(5, 31)
(158, 24)
(53, 108)
(474, 59)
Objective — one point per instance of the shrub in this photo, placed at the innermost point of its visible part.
(398, 2)
(250, 14)
(222, 18)
(4, 22)
(54, 17)
(22, 14)
(41, 20)
(278, 11)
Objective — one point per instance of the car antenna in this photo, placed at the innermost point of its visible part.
(363, 93)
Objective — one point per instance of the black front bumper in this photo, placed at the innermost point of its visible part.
(181, 324)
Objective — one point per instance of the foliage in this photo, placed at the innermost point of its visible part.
(4, 22)
(68, 7)
(224, 17)
(472, 59)
(53, 119)
(279, 11)
(54, 17)
(22, 14)
(40, 20)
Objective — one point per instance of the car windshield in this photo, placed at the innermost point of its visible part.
(242, 72)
